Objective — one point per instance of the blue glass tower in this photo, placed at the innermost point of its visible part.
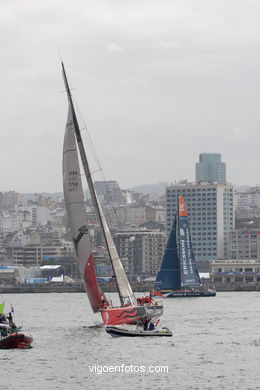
(210, 168)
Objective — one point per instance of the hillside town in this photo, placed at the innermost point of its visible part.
(36, 247)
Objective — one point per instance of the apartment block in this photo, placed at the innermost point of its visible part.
(141, 251)
(211, 215)
(243, 244)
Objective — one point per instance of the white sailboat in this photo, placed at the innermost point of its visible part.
(130, 311)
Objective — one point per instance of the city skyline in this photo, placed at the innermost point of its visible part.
(157, 85)
(148, 189)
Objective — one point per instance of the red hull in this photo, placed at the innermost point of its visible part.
(130, 314)
(16, 340)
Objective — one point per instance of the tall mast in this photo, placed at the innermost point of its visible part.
(110, 246)
(178, 237)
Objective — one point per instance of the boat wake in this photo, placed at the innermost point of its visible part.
(96, 326)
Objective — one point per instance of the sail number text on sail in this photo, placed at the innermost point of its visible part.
(73, 181)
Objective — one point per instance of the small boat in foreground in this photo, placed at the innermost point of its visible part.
(116, 331)
(10, 337)
(16, 340)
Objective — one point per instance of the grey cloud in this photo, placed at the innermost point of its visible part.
(157, 83)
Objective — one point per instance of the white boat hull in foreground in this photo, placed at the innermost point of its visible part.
(116, 331)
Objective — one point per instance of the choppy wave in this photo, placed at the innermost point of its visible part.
(214, 346)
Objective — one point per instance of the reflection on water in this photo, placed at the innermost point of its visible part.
(214, 346)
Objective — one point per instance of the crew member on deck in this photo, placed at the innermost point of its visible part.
(3, 331)
(11, 322)
(2, 319)
(146, 323)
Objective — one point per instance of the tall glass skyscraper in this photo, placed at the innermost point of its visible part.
(210, 169)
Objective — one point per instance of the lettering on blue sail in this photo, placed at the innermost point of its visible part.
(186, 254)
(187, 260)
(189, 250)
(183, 257)
(73, 181)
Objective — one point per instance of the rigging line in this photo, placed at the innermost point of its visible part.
(86, 135)
(112, 204)
(91, 173)
(84, 130)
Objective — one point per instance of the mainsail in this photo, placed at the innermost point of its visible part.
(74, 199)
(169, 275)
(76, 211)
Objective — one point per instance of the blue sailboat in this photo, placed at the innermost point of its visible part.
(178, 275)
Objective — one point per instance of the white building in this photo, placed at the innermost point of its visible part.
(244, 244)
(39, 215)
(211, 216)
(241, 271)
(10, 221)
(248, 199)
(131, 214)
(11, 200)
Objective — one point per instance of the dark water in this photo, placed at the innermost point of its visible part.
(216, 345)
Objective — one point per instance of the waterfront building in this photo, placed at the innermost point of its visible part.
(211, 215)
(31, 255)
(8, 275)
(231, 271)
(243, 244)
(210, 168)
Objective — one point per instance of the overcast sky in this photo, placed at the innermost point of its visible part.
(157, 83)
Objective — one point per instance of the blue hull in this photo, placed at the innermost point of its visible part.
(188, 294)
